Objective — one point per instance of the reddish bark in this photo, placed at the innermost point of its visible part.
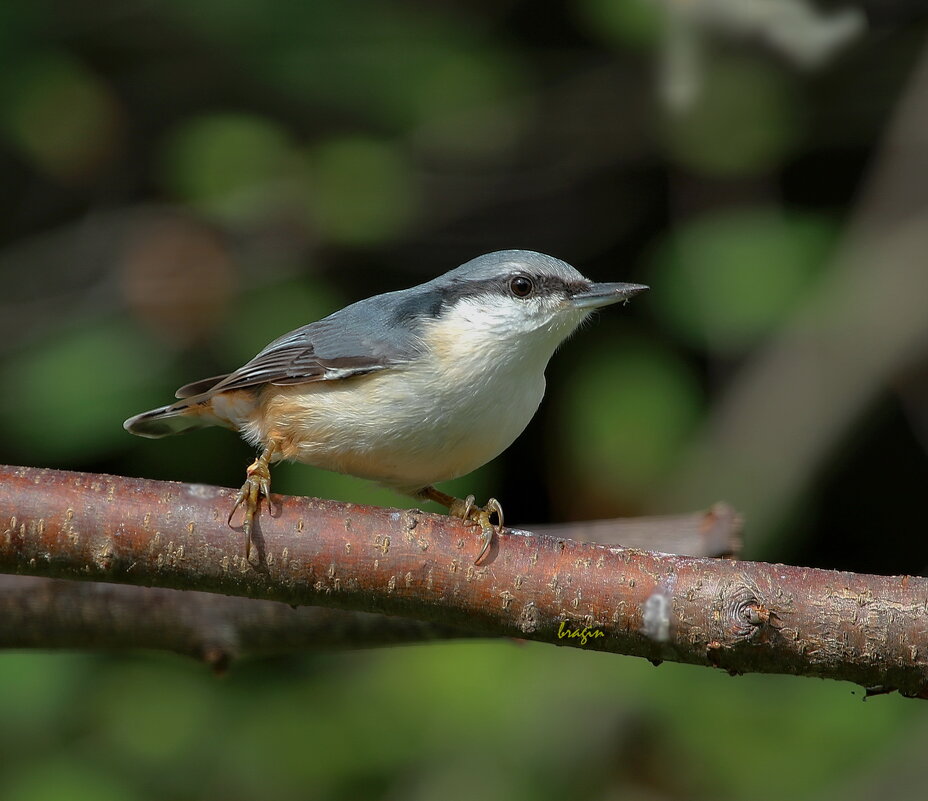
(739, 616)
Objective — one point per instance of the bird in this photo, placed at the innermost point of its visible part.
(408, 388)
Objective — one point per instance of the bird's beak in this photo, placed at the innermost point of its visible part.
(596, 295)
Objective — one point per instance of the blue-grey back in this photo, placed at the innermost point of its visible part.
(380, 331)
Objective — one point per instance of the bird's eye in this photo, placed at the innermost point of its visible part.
(521, 286)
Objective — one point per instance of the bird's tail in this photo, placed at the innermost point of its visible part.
(172, 419)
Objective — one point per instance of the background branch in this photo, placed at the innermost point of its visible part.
(740, 616)
(52, 613)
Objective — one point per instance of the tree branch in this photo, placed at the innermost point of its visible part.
(52, 613)
(48, 613)
(739, 616)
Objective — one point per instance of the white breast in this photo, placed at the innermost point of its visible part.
(439, 417)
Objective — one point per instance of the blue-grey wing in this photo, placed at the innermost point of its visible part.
(371, 335)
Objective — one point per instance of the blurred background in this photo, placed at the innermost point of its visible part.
(185, 181)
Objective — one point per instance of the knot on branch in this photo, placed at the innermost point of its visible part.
(743, 617)
(744, 614)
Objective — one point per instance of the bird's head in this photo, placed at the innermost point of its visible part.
(522, 298)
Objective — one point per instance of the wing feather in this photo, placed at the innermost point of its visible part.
(371, 335)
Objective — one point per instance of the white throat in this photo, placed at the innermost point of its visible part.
(501, 335)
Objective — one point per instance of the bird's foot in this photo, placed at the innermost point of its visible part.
(474, 515)
(257, 483)
(468, 511)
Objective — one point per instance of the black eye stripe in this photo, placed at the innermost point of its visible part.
(542, 286)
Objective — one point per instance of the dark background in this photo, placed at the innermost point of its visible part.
(185, 181)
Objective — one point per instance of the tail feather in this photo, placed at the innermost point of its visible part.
(173, 419)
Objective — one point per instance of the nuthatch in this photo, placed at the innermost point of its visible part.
(407, 388)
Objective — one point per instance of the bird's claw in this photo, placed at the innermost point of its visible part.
(474, 515)
(257, 483)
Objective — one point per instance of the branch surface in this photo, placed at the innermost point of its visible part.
(37, 612)
(739, 616)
